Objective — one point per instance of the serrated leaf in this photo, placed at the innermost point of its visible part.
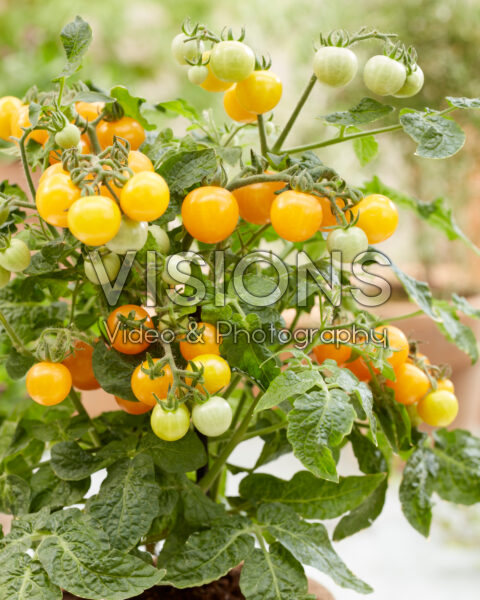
(309, 544)
(179, 107)
(131, 105)
(91, 96)
(273, 575)
(454, 330)
(366, 149)
(362, 516)
(69, 461)
(113, 371)
(184, 455)
(366, 111)
(286, 385)
(317, 425)
(394, 420)
(49, 490)
(463, 102)
(184, 171)
(14, 494)
(18, 364)
(76, 38)
(21, 578)
(436, 136)
(418, 291)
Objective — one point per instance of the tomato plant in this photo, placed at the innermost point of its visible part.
(221, 317)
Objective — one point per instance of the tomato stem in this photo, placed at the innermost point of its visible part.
(296, 111)
(16, 341)
(26, 169)
(262, 134)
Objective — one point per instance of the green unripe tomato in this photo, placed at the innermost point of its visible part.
(4, 277)
(132, 235)
(112, 265)
(161, 238)
(4, 212)
(335, 66)
(232, 61)
(197, 74)
(16, 257)
(350, 242)
(413, 84)
(383, 75)
(69, 137)
(170, 425)
(213, 417)
(185, 51)
(177, 270)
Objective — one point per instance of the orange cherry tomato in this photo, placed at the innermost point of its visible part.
(131, 407)
(139, 162)
(359, 368)
(126, 128)
(48, 383)
(328, 218)
(79, 363)
(55, 195)
(296, 216)
(411, 384)
(397, 342)
(378, 217)
(21, 119)
(210, 214)
(195, 344)
(89, 110)
(255, 200)
(340, 354)
(234, 109)
(129, 341)
(146, 389)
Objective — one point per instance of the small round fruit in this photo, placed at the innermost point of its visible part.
(383, 75)
(413, 84)
(445, 385)
(359, 368)
(139, 162)
(68, 137)
(397, 342)
(296, 216)
(378, 217)
(112, 265)
(79, 363)
(260, 92)
(197, 74)
(9, 106)
(438, 409)
(216, 372)
(195, 343)
(210, 214)
(340, 353)
(89, 110)
(129, 340)
(16, 257)
(175, 263)
(126, 128)
(185, 51)
(148, 390)
(232, 61)
(4, 277)
(55, 195)
(212, 83)
(132, 235)
(170, 425)
(328, 217)
(55, 169)
(48, 383)
(145, 196)
(131, 407)
(213, 417)
(411, 384)
(234, 109)
(94, 220)
(335, 66)
(161, 238)
(349, 242)
(255, 200)
(21, 119)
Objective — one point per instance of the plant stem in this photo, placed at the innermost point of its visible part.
(92, 136)
(256, 235)
(77, 402)
(264, 431)
(241, 181)
(402, 317)
(26, 169)
(16, 341)
(296, 111)
(237, 437)
(262, 134)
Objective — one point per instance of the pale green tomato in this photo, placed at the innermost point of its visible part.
(170, 425)
(185, 51)
(213, 417)
(335, 66)
(132, 235)
(69, 137)
(112, 264)
(350, 242)
(197, 74)
(4, 277)
(161, 238)
(413, 84)
(383, 75)
(16, 257)
(232, 61)
(177, 270)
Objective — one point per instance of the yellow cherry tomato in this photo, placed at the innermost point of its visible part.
(94, 220)
(9, 107)
(55, 196)
(216, 372)
(21, 119)
(378, 217)
(445, 385)
(210, 214)
(139, 162)
(55, 169)
(212, 83)
(296, 216)
(438, 409)
(48, 383)
(260, 92)
(234, 109)
(397, 342)
(145, 196)
(89, 110)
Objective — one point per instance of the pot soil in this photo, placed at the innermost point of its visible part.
(226, 588)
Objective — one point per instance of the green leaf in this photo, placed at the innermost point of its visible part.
(454, 330)
(366, 111)
(49, 490)
(287, 385)
(394, 420)
(317, 425)
(366, 149)
(69, 461)
(14, 494)
(183, 456)
(417, 488)
(309, 544)
(465, 307)
(113, 371)
(78, 558)
(179, 107)
(76, 38)
(127, 501)
(418, 291)
(210, 554)
(362, 516)
(198, 509)
(91, 96)
(184, 171)
(310, 497)
(18, 364)
(458, 457)
(436, 136)
(463, 102)
(273, 575)
(22, 578)
(131, 105)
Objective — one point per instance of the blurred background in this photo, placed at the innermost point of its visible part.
(131, 46)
